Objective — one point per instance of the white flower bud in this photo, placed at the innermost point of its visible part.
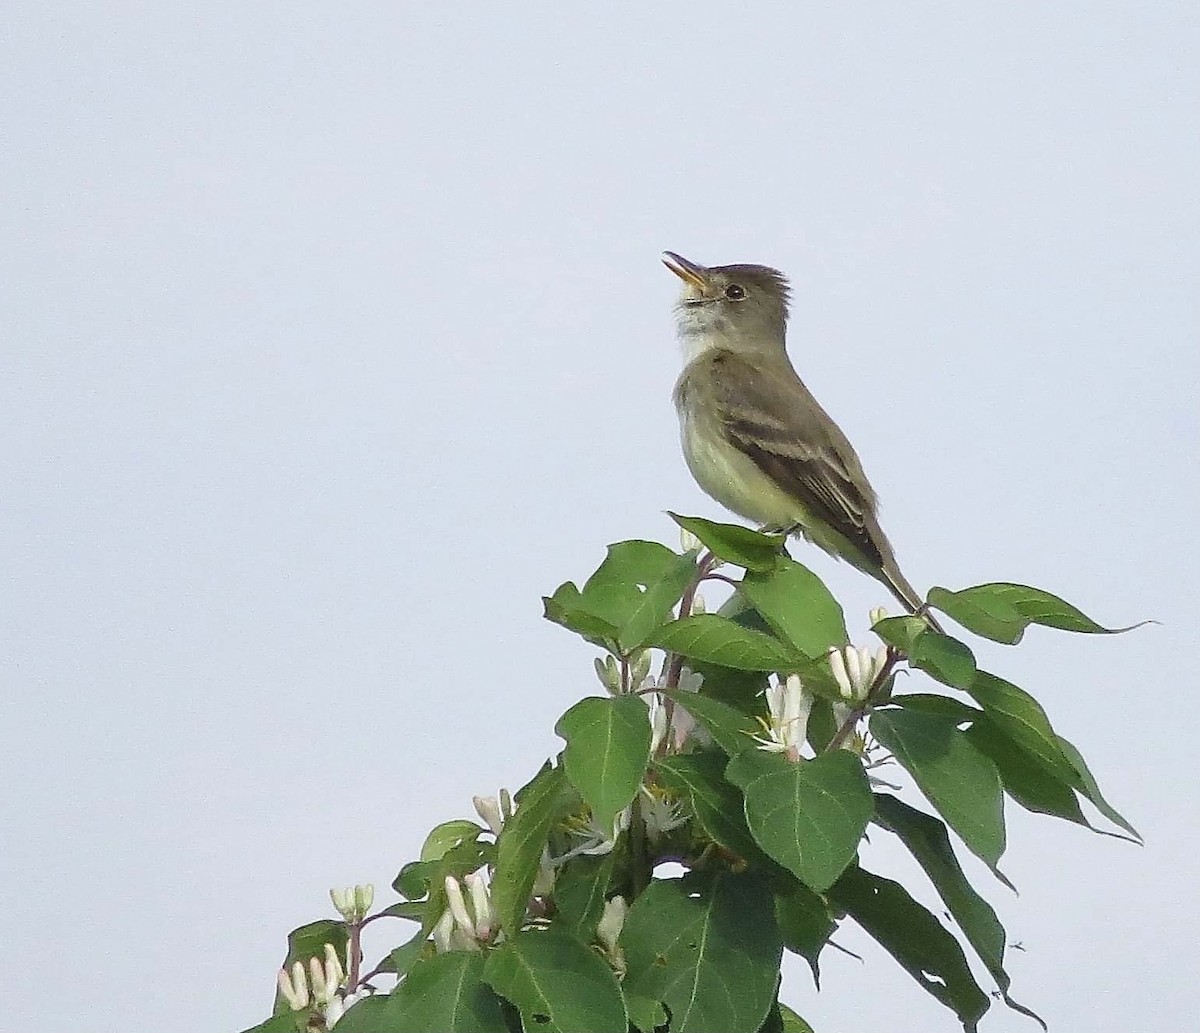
(294, 987)
(688, 542)
(877, 614)
(639, 666)
(611, 922)
(698, 605)
(364, 897)
(333, 967)
(481, 904)
(609, 673)
(458, 906)
(442, 931)
(488, 808)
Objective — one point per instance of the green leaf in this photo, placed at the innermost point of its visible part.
(285, 1022)
(751, 550)
(418, 878)
(1021, 718)
(732, 730)
(706, 945)
(608, 747)
(1023, 778)
(1002, 611)
(792, 1023)
(368, 1016)
(717, 640)
(806, 924)
(567, 608)
(941, 657)
(580, 890)
(958, 780)
(927, 840)
(808, 816)
(635, 588)
(1088, 786)
(645, 1013)
(558, 984)
(448, 835)
(797, 606)
(445, 993)
(519, 850)
(700, 779)
(631, 593)
(915, 938)
(401, 959)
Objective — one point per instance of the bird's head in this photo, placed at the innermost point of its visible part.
(736, 306)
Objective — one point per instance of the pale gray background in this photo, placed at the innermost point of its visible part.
(332, 336)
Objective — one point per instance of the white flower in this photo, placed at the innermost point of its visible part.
(639, 666)
(608, 673)
(682, 724)
(481, 905)
(876, 615)
(543, 883)
(597, 841)
(661, 813)
(294, 986)
(494, 812)
(789, 704)
(608, 932)
(843, 712)
(353, 902)
(462, 927)
(855, 670)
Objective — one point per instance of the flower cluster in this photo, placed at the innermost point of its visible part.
(318, 986)
(466, 926)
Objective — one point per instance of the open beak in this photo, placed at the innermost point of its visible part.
(687, 271)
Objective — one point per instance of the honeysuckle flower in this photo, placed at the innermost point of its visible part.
(639, 666)
(682, 724)
(463, 926)
(855, 669)
(661, 812)
(597, 841)
(608, 932)
(877, 614)
(336, 1008)
(481, 905)
(443, 933)
(458, 907)
(789, 705)
(353, 902)
(294, 986)
(324, 979)
(494, 812)
(543, 883)
(843, 712)
(609, 673)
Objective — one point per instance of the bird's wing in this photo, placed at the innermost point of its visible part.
(793, 441)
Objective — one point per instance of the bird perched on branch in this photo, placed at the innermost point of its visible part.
(753, 435)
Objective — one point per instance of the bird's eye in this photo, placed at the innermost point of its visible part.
(734, 292)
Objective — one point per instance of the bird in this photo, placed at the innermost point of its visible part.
(754, 437)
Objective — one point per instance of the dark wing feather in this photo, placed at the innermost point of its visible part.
(795, 443)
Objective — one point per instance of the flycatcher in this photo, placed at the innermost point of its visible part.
(754, 437)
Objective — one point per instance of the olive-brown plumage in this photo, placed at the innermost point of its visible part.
(753, 435)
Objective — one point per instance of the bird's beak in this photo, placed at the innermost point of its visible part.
(687, 271)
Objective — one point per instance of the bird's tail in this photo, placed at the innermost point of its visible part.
(908, 596)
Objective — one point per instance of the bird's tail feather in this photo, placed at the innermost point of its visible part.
(908, 596)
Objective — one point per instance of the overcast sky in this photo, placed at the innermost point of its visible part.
(332, 336)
